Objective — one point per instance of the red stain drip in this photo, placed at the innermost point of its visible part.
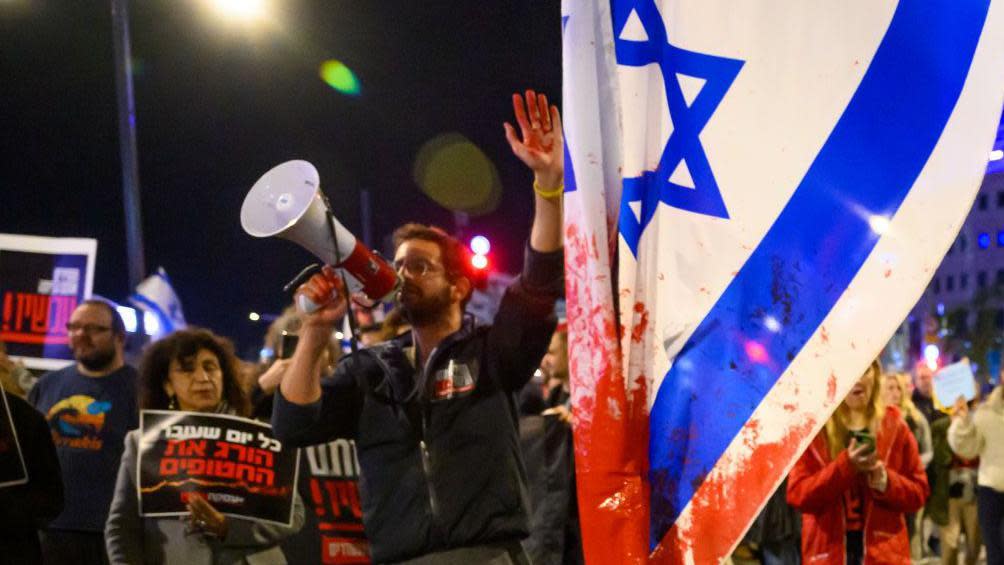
(710, 538)
(831, 387)
(638, 331)
(611, 428)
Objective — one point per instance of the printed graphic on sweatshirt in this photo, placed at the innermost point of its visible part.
(454, 380)
(77, 422)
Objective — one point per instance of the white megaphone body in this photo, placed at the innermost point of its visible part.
(287, 202)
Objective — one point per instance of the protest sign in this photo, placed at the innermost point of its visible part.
(12, 468)
(330, 485)
(42, 279)
(232, 462)
(953, 381)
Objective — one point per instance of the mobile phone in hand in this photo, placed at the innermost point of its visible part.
(864, 437)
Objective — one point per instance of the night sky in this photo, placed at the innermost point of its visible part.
(219, 103)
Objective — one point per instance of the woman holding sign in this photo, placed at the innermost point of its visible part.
(194, 371)
(982, 434)
(857, 481)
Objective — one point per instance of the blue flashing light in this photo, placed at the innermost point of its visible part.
(1000, 238)
(983, 240)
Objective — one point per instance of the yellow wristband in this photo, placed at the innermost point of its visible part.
(549, 194)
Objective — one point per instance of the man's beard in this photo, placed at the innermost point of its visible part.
(423, 311)
(98, 361)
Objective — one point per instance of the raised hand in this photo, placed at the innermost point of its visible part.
(540, 144)
(270, 379)
(961, 409)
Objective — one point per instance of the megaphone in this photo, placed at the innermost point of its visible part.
(287, 202)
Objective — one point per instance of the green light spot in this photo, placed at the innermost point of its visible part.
(339, 77)
(455, 173)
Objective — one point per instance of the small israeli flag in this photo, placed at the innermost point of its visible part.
(156, 295)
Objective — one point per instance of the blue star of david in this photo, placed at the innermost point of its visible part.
(684, 145)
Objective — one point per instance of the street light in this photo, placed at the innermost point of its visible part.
(136, 263)
(246, 10)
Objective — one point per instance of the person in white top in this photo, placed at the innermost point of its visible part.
(982, 434)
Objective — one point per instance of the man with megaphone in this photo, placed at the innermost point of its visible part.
(432, 411)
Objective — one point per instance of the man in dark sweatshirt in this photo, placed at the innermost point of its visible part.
(432, 412)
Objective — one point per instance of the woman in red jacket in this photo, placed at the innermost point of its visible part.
(857, 480)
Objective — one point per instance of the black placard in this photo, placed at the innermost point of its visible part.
(232, 462)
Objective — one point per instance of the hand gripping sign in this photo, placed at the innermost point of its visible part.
(776, 183)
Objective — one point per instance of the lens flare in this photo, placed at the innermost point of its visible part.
(336, 75)
(455, 173)
(756, 352)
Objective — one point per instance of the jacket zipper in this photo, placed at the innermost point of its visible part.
(427, 468)
(424, 448)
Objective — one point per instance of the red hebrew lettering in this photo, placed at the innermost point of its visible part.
(317, 496)
(349, 494)
(22, 305)
(40, 314)
(168, 467)
(226, 469)
(172, 447)
(245, 472)
(8, 311)
(344, 497)
(195, 448)
(195, 466)
(222, 450)
(266, 476)
(61, 309)
(262, 457)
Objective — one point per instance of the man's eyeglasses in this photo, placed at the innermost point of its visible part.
(416, 266)
(89, 329)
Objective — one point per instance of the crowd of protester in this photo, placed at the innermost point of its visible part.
(363, 477)
(880, 484)
(442, 440)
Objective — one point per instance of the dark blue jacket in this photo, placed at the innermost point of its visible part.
(439, 449)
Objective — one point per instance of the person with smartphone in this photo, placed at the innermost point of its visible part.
(857, 481)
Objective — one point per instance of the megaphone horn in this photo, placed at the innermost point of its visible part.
(287, 202)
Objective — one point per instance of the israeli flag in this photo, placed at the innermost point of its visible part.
(757, 194)
(156, 295)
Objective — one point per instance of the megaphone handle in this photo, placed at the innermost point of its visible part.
(353, 343)
(306, 305)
